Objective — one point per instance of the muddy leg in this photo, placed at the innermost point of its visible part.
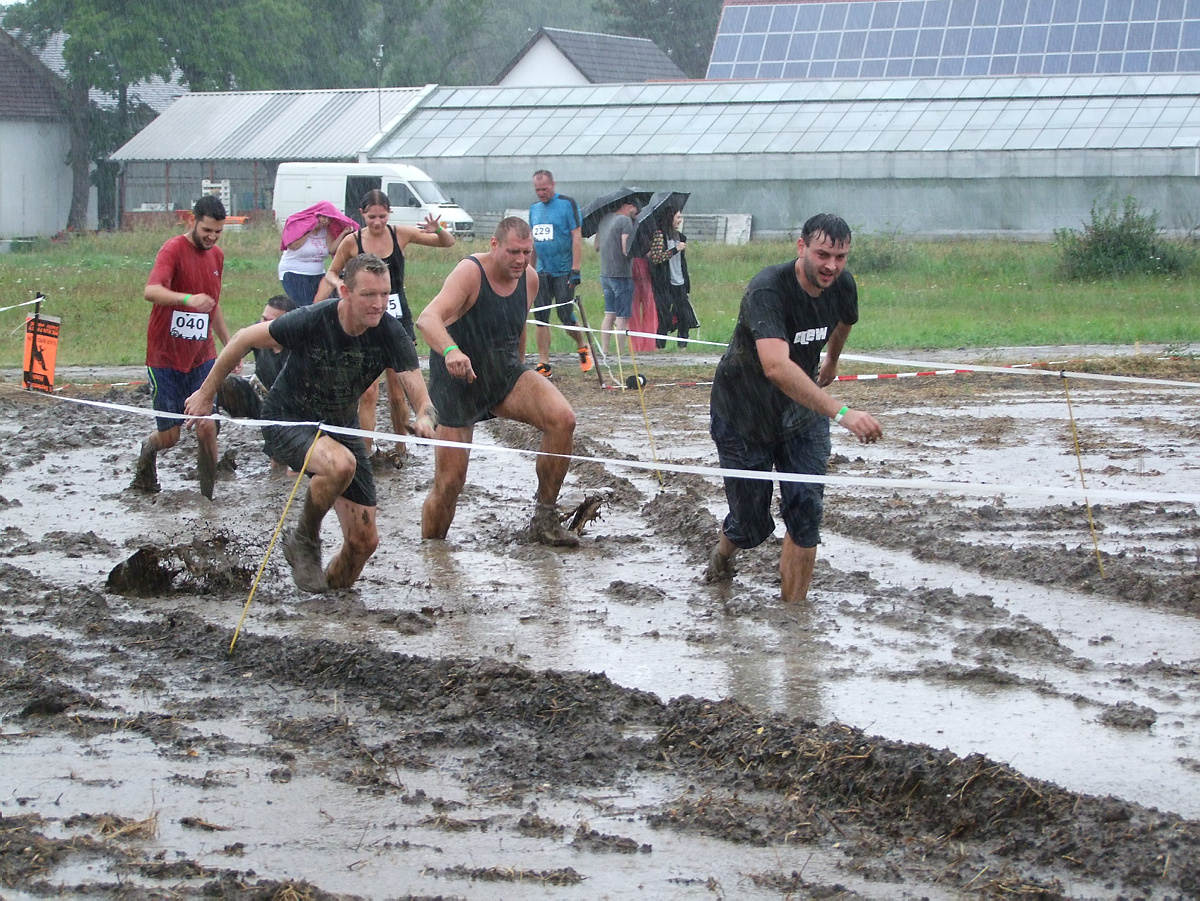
(360, 538)
(145, 473)
(206, 456)
(720, 562)
(333, 467)
(795, 570)
(449, 476)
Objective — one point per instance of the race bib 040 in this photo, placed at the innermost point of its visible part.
(544, 232)
(393, 307)
(189, 325)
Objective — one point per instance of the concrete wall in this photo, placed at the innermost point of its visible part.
(1021, 194)
(35, 180)
(1026, 194)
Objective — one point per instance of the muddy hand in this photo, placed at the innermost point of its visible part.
(863, 425)
(426, 424)
(197, 406)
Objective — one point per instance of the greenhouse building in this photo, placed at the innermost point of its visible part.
(920, 116)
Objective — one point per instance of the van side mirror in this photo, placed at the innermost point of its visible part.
(412, 201)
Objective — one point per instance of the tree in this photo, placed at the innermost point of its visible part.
(112, 45)
(683, 29)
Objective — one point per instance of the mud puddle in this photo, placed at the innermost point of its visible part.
(459, 673)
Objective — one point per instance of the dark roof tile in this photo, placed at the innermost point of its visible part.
(607, 58)
(28, 90)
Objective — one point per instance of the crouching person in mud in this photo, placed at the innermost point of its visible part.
(475, 328)
(337, 348)
(769, 406)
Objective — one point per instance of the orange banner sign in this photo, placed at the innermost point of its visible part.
(41, 348)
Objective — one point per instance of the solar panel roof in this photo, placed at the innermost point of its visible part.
(921, 38)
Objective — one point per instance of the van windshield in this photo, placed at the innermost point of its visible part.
(430, 192)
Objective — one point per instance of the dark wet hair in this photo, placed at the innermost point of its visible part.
(209, 205)
(665, 219)
(511, 225)
(364, 262)
(375, 197)
(831, 226)
(282, 302)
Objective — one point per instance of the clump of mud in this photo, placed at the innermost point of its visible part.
(206, 565)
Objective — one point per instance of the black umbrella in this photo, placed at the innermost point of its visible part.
(605, 204)
(651, 219)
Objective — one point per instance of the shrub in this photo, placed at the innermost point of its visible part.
(1120, 240)
(879, 253)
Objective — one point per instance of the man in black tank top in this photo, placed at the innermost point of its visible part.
(475, 328)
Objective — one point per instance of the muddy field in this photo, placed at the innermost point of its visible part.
(967, 707)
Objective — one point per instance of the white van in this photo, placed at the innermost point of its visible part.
(413, 194)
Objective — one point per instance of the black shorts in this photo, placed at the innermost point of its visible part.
(290, 444)
(557, 290)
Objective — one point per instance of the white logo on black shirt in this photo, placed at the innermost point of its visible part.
(813, 334)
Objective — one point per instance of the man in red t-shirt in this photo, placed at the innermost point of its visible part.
(184, 289)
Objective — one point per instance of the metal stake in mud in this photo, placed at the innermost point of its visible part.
(587, 330)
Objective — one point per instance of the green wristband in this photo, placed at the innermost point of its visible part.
(450, 347)
(840, 413)
(186, 298)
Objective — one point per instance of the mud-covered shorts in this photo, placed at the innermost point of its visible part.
(749, 522)
(290, 444)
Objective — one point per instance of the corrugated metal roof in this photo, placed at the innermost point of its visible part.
(270, 125)
(934, 114)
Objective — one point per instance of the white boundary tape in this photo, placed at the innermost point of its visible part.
(25, 303)
(969, 488)
(1023, 369)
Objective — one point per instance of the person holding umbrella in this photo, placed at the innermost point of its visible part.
(606, 218)
(308, 238)
(613, 240)
(669, 271)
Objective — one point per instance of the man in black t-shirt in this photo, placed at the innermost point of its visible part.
(337, 350)
(769, 408)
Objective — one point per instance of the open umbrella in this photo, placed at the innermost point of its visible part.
(606, 203)
(650, 219)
